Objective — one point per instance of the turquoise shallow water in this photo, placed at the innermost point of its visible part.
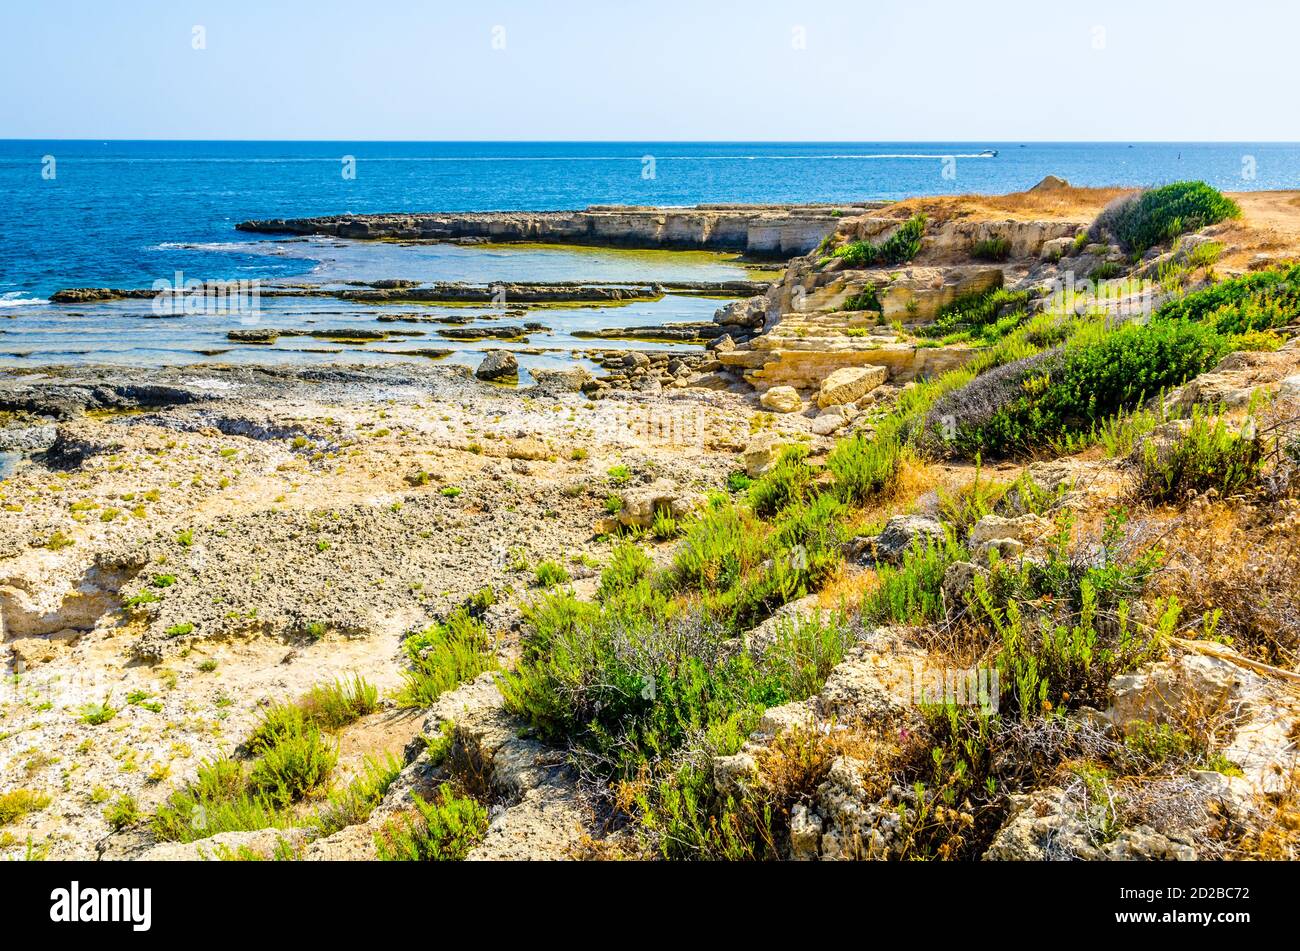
(128, 214)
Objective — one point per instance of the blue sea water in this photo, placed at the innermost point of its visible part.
(126, 214)
(123, 213)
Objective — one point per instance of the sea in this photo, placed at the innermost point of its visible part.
(127, 214)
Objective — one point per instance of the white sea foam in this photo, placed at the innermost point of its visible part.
(15, 299)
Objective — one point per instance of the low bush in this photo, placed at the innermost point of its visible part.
(866, 299)
(1161, 214)
(785, 484)
(337, 704)
(991, 249)
(442, 829)
(898, 248)
(1259, 301)
(548, 574)
(296, 766)
(19, 802)
(355, 803)
(445, 655)
(1210, 455)
(1042, 399)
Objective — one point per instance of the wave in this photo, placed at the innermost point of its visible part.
(15, 299)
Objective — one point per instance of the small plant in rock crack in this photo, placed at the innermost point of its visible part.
(96, 714)
(664, 526)
(550, 573)
(441, 829)
(619, 475)
(122, 812)
(19, 802)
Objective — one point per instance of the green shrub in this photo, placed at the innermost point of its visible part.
(899, 248)
(337, 704)
(550, 573)
(980, 310)
(1261, 300)
(721, 544)
(992, 249)
(355, 803)
(663, 526)
(864, 466)
(1061, 625)
(910, 593)
(628, 566)
(1162, 214)
(19, 802)
(122, 812)
(786, 483)
(866, 299)
(296, 766)
(1208, 456)
(96, 714)
(443, 656)
(1041, 400)
(217, 801)
(442, 829)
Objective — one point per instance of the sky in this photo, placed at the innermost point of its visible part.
(652, 70)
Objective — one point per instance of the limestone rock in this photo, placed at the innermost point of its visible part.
(732, 775)
(642, 503)
(569, 380)
(782, 399)
(849, 384)
(1024, 529)
(761, 454)
(748, 312)
(901, 532)
(958, 579)
(1056, 248)
(498, 365)
(805, 833)
(830, 420)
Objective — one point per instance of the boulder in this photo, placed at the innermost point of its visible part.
(782, 399)
(901, 532)
(749, 312)
(958, 579)
(1023, 529)
(641, 503)
(1056, 248)
(1050, 183)
(761, 454)
(498, 365)
(849, 384)
(569, 380)
(830, 420)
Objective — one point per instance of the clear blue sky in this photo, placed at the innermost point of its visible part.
(870, 70)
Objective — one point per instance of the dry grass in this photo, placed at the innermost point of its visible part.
(1275, 832)
(1240, 563)
(1065, 204)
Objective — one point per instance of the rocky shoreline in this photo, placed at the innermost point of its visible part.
(779, 231)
